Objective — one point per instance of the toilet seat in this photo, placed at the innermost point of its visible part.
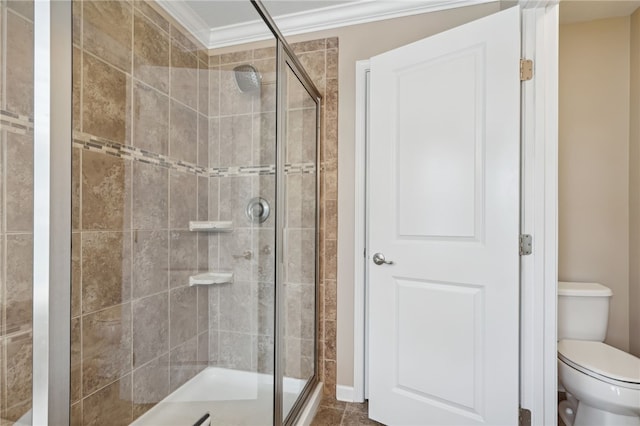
(602, 362)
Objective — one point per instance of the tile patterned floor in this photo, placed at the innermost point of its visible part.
(338, 413)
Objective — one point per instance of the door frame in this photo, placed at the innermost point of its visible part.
(361, 233)
(539, 206)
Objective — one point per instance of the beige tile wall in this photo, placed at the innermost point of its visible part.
(242, 136)
(16, 211)
(320, 59)
(138, 330)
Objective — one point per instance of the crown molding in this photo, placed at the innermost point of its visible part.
(359, 12)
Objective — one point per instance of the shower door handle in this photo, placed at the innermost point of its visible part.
(379, 259)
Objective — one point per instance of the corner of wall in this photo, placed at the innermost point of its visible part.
(634, 186)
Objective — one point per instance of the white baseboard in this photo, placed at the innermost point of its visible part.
(311, 408)
(344, 393)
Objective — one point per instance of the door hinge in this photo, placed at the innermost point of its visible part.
(525, 244)
(525, 417)
(526, 69)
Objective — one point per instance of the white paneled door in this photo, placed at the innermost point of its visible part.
(444, 208)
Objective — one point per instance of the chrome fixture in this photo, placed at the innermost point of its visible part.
(248, 78)
(258, 210)
(247, 254)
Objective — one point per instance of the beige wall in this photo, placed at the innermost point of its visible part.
(593, 162)
(634, 189)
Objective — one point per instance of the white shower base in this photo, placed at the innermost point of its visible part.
(231, 397)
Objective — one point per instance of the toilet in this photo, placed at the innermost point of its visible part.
(602, 382)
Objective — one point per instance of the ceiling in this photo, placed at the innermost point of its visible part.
(221, 13)
(572, 11)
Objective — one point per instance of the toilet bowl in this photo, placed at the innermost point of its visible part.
(603, 384)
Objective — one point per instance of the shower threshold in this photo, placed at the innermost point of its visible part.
(231, 397)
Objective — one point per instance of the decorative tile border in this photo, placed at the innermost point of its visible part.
(15, 123)
(104, 146)
(21, 124)
(242, 171)
(127, 152)
(299, 168)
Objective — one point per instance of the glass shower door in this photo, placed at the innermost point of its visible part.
(174, 219)
(299, 278)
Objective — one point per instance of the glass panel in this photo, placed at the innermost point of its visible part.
(173, 315)
(300, 240)
(16, 234)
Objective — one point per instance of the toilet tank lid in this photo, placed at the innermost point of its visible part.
(566, 288)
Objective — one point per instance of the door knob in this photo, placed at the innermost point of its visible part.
(379, 259)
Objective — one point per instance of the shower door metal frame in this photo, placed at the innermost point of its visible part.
(286, 62)
(52, 119)
(286, 58)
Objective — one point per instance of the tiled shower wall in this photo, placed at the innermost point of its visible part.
(242, 149)
(141, 121)
(16, 209)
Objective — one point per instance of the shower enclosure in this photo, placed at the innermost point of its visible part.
(159, 216)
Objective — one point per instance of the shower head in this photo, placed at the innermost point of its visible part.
(248, 78)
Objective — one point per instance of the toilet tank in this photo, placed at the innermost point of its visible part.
(583, 311)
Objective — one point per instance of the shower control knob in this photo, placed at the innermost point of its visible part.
(379, 259)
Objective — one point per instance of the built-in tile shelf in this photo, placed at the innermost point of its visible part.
(211, 226)
(209, 278)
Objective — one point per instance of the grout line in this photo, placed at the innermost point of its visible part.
(3, 18)
(169, 335)
(3, 224)
(79, 166)
(344, 411)
(169, 242)
(81, 319)
(20, 15)
(81, 73)
(5, 258)
(3, 366)
(150, 20)
(132, 139)
(105, 386)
